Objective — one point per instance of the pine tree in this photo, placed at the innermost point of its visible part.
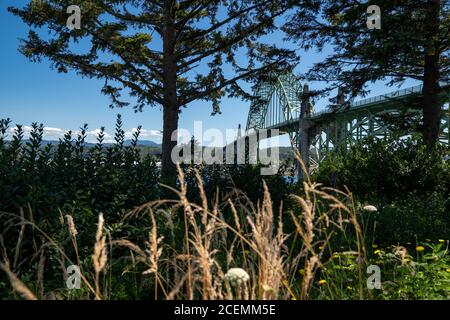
(165, 53)
(412, 43)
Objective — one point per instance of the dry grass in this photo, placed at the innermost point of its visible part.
(100, 256)
(216, 237)
(17, 284)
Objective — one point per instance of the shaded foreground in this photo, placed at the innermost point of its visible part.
(223, 233)
(321, 254)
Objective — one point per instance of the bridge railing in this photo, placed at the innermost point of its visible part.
(377, 99)
(387, 96)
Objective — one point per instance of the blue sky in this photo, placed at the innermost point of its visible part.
(33, 92)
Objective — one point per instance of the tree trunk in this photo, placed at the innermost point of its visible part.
(170, 106)
(431, 103)
(170, 124)
(431, 89)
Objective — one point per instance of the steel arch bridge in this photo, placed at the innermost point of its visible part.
(282, 102)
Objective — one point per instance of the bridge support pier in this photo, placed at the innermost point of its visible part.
(304, 146)
(303, 134)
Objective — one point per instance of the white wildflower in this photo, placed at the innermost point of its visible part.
(370, 208)
(236, 276)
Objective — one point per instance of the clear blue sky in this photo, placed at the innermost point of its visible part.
(33, 92)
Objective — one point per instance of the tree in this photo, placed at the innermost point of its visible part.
(413, 42)
(164, 53)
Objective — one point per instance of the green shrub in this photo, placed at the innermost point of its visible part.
(69, 178)
(406, 182)
(246, 178)
(415, 217)
(386, 170)
(420, 273)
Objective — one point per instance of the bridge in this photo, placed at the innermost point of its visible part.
(283, 103)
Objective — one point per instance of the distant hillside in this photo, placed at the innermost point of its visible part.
(146, 143)
(154, 148)
(147, 147)
(143, 143)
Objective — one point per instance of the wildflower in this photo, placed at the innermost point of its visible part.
(377, 252)
(267, 288)
(370, 208)
(374, 246)
(302, 271)
(420, 248)
(441, 240)
(322, 281)
(448, 270)
(236, 276)
(349, 288)
(320, 248)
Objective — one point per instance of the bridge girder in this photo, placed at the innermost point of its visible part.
(278, 106)
(278, 100)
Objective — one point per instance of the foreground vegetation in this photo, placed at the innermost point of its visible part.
(103, 210)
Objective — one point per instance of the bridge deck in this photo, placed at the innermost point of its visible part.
(377, 103)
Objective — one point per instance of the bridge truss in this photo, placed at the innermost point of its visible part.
(278, 102)
(283, 103)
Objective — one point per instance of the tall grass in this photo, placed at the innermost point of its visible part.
(214, 238)
(234, 249)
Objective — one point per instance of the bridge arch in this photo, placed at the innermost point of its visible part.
(281, 102)
(277, 102)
